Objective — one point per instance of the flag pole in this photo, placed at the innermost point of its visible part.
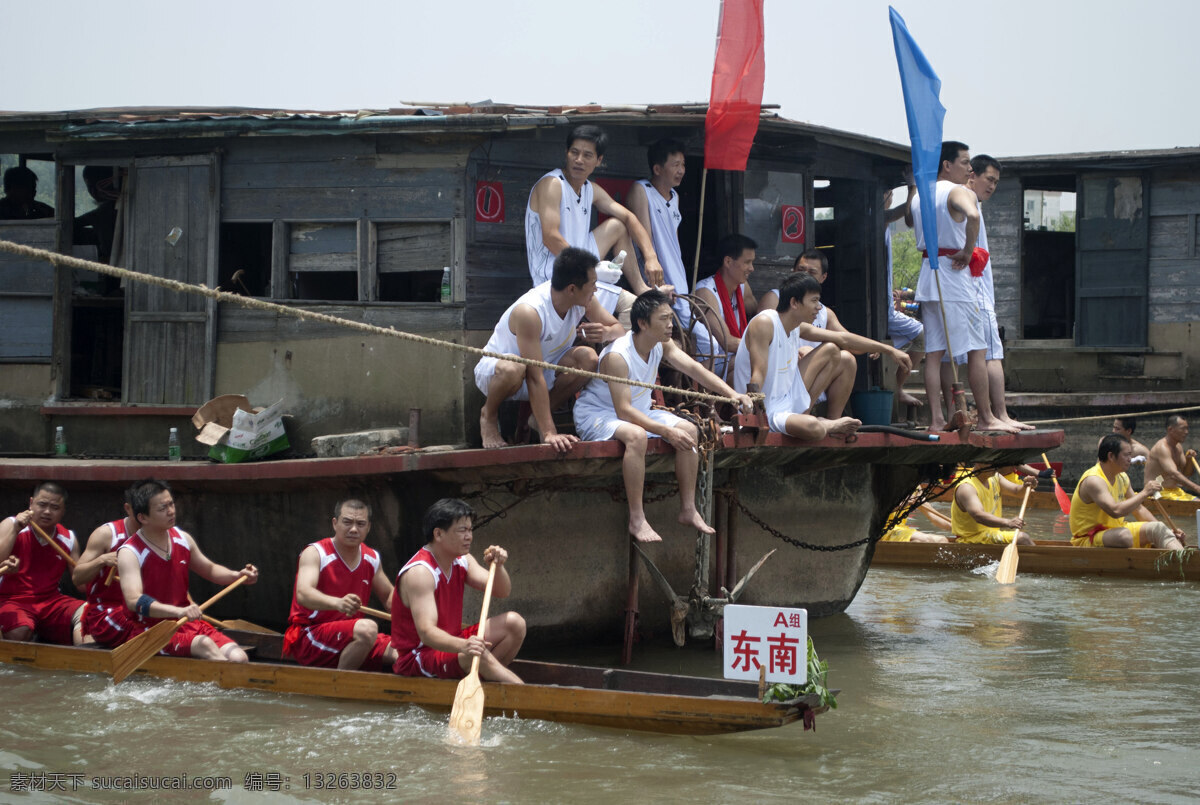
(699, 230)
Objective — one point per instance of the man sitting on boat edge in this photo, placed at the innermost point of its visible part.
(614, 410)
(334, 577)
(1168, 460)
(427, 609)
(1103, 498)
(30, 602)
(976, 514)
(154, 566)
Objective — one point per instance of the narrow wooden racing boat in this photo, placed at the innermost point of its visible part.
(1044, 499)
(629, 700)
(1047, 556)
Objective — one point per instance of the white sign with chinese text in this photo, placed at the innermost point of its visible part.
(771, 637)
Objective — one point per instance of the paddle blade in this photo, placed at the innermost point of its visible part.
(129, 657)
(1006, 573)
(1064, 501)
(466, 716)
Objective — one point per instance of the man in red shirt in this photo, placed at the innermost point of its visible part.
(105, 618)
(334, 579)
(154, 565)
(30, 602)
(427, 630)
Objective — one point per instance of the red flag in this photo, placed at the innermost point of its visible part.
(737, 86)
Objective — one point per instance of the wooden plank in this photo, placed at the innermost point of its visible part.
(331, 203)
(239, 325)
(323, 238)
(416, 246)
(280, 245)
(346, 261)
(458, 274)
(1170, 236)
(26, 328)
(365, 261)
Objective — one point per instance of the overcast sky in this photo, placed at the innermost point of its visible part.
(1019, 76)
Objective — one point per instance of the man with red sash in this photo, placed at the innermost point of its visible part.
(154, 565)
(334, 578)
(106, 620)
(1103, 498)
(427, 610)
(30, 602)
(731, 302)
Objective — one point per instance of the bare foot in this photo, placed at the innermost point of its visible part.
(694, 520)
(1017, 424)
(844, 424)
(642, 532)
(996, 425)
(489, 429)
(908, 399)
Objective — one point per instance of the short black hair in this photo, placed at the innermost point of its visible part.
(19, 176)
(1129, 423)
(352, 503)
(644, 306)
(732, 246)
(131, 492)
(443, 514)
(50, 487)
(660, 150)
(950, 151)
(1175, 419)
(1111, 445)
(813, 254)
(981, 163)
(145, 492)
(796, 286)
(571, 267)
(593, 134)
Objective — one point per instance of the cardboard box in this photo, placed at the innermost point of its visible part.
(236, 432)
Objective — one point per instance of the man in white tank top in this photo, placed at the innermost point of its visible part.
(559, 214)
(608, 410)
(985, 178)
(543, 325)
(962, 329)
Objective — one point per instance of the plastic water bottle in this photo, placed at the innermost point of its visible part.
(446, 285)
(173, 452)
(620, 261)
(60, 442)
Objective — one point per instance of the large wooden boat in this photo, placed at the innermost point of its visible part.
(1044, 499)
(604, 697)
(1055, 557)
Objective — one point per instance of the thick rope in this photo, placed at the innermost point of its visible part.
(68, 261)
(1113, 416)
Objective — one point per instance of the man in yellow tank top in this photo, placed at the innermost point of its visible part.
(977, 514)
(1103, 498)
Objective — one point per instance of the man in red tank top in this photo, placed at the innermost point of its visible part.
(335, 577)
(106, 620)
(30, 602)
(154, 565)
(427, 630)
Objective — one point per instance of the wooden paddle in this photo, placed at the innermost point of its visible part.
(1006, 573)
(1060, 494)
(54, 544)
(6, 568)
(378, 613)
(936, 517)
(1161, 511)
(1196, 465)
(129, 657)
(466, 716)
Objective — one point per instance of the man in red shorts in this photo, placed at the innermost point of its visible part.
(30, 602)
(154, 564)
(106, 620)
(427, 630)
(335, 577)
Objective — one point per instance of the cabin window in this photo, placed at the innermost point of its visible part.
(27, 286)
(322, 261)
(767, 195)
(410, 258)
(245, 260)
(1048, 257)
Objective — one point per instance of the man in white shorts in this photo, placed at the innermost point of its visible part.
(543, 325)
(962, 331)
(615, 410)
(768, 360)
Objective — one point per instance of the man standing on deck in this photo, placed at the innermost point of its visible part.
(1103, 498)
(543, 325)
(30, 603)
(106, 619)
(335, 577)
(730, 301)
(977, 513)
(427, 609)
(154, 565)
(950, 290)
(559, 214)
(1168, 459)
(985, 178)
(608, 410)
(768, 359)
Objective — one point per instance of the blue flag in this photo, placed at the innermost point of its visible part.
(925, 113)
